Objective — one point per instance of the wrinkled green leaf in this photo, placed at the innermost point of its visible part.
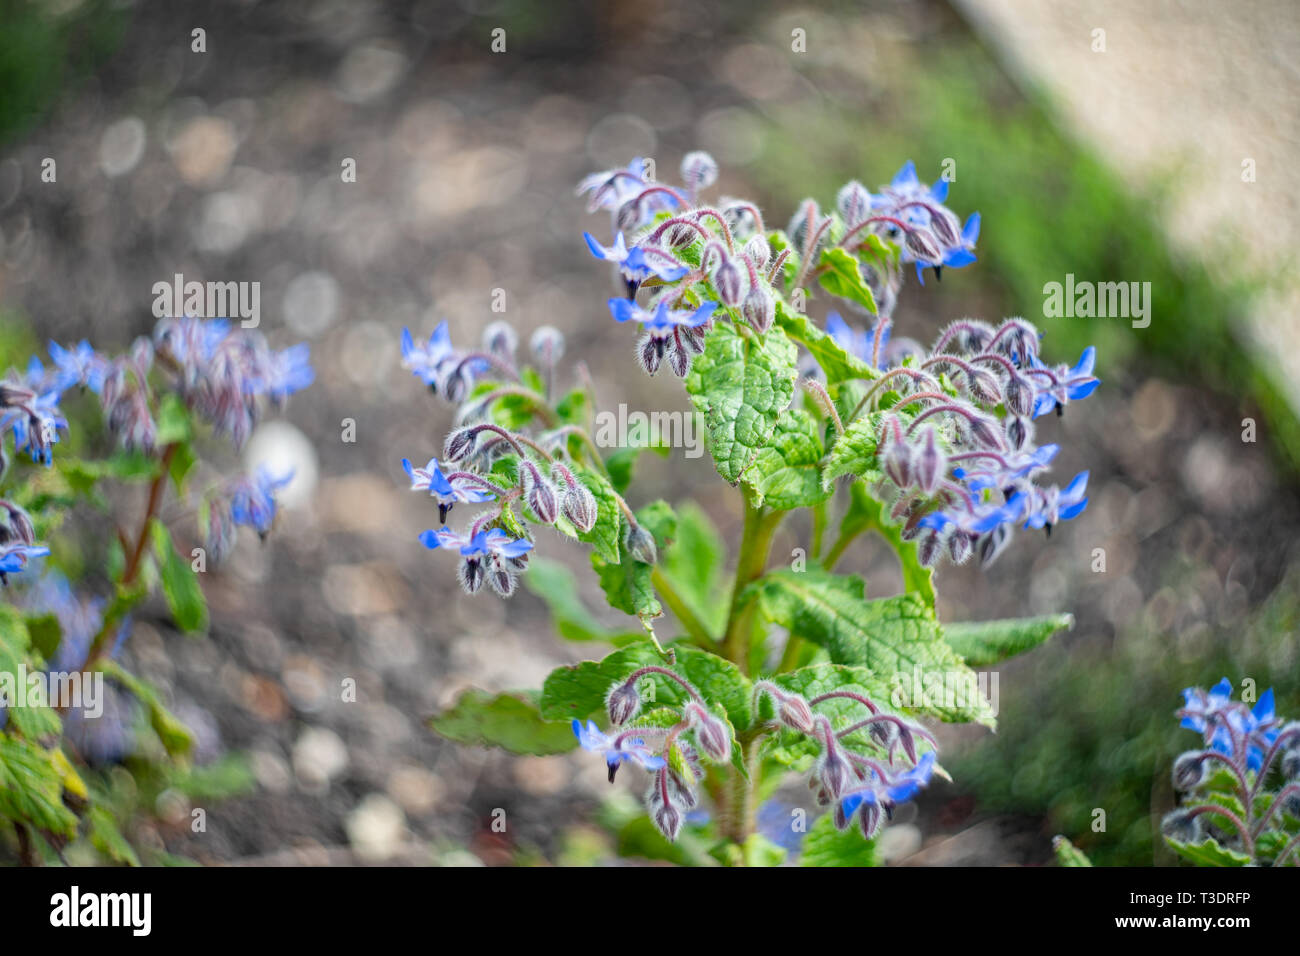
(826, 846)
(982, 643)
(510, 721)
(842, 278)
(786, 474)
(741, 384)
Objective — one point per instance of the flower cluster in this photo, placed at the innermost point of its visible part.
(956, 443)
(684, 736)
(1225, 780)
(855, 781)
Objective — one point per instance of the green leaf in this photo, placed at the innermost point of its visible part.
(1067, 854)
(1208, 853)
(837, 364)
(826, 846)
(982, 643)
(760, 851)
(854, 452)
(897, 638)
(606, 534)
(175, 736)
(556, 585)
(108, 839)
(693, 564)
(622, 463)
(741, 384)
(786, 474)
(175, 424)
(627, 584)
(509, 721)
(580, 691)
(182, 462)
(843, 278)
(31, 786)
(180, 583)
(45, 632)
(575, 407)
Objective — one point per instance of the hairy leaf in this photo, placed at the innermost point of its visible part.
(509, 721)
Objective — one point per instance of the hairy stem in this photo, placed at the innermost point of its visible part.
(688, 618)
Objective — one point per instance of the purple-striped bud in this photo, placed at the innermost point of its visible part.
(1291, 764)
(930, 463)
(15, 525)
(834, 772)
(1019, 395)
(699, 171)
(547, 345)
(1181, 825)
(927, 548)
(641, 545)
(897, 460)
(500, 338)
(1019, 432)
(960, 547)
(921, 243)
(759, 309)
(577, 501)
(985, 433)
(1189, 770)
(853, 202)
(946, 227)
(729, 282)
(711, 733)
(539, 493)
(870, 819)
(679, 355)
(502, 580)
(794, 712)
(459, 444)
(623, 702)
(984, 387)
(471, 574)
(666, 817)
(650, 352)
(758, 252)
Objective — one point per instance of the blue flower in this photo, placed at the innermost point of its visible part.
(662, 319)
(14, 557)
(283, 373)
(634, 263)
(252, 500)
(887, 794)
(1053, 505)
(1071, 384)
(483, 544)
(956, 256)
(615, 750)
(1226, 724)
(34, 418)
(611, 188)
(428, 362)
(431, 479)
(78, 365)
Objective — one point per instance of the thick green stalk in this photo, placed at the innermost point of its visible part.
(688, 618)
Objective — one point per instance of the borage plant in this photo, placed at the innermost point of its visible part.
(1242, 790)
(78, 556)
(933, 450)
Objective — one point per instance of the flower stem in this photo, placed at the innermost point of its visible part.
(688, 618)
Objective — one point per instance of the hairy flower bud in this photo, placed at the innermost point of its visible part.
(641, 545)
(870, 819)
(667, 818)
(794, 712)
(1019, 395)
(502, 580)
(1291, 764)
(1019, 431)
(898, 462)
(1189, 770)
(759, 309)
(471, 573)
(650, 352)
(930, 463)
(540, 494)
(500, 338)
(758, 252)
(623, 702)
(834, 772)
(699, 171)
(729, 282)
(984, 433)
(921, 243)
(946, 227)
(1182, 826)
(459, 444)
(15, 524)
(984, 388)
(854, 203)
(547, 344)
(960, 547)
(578, 503)
(711, 733)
